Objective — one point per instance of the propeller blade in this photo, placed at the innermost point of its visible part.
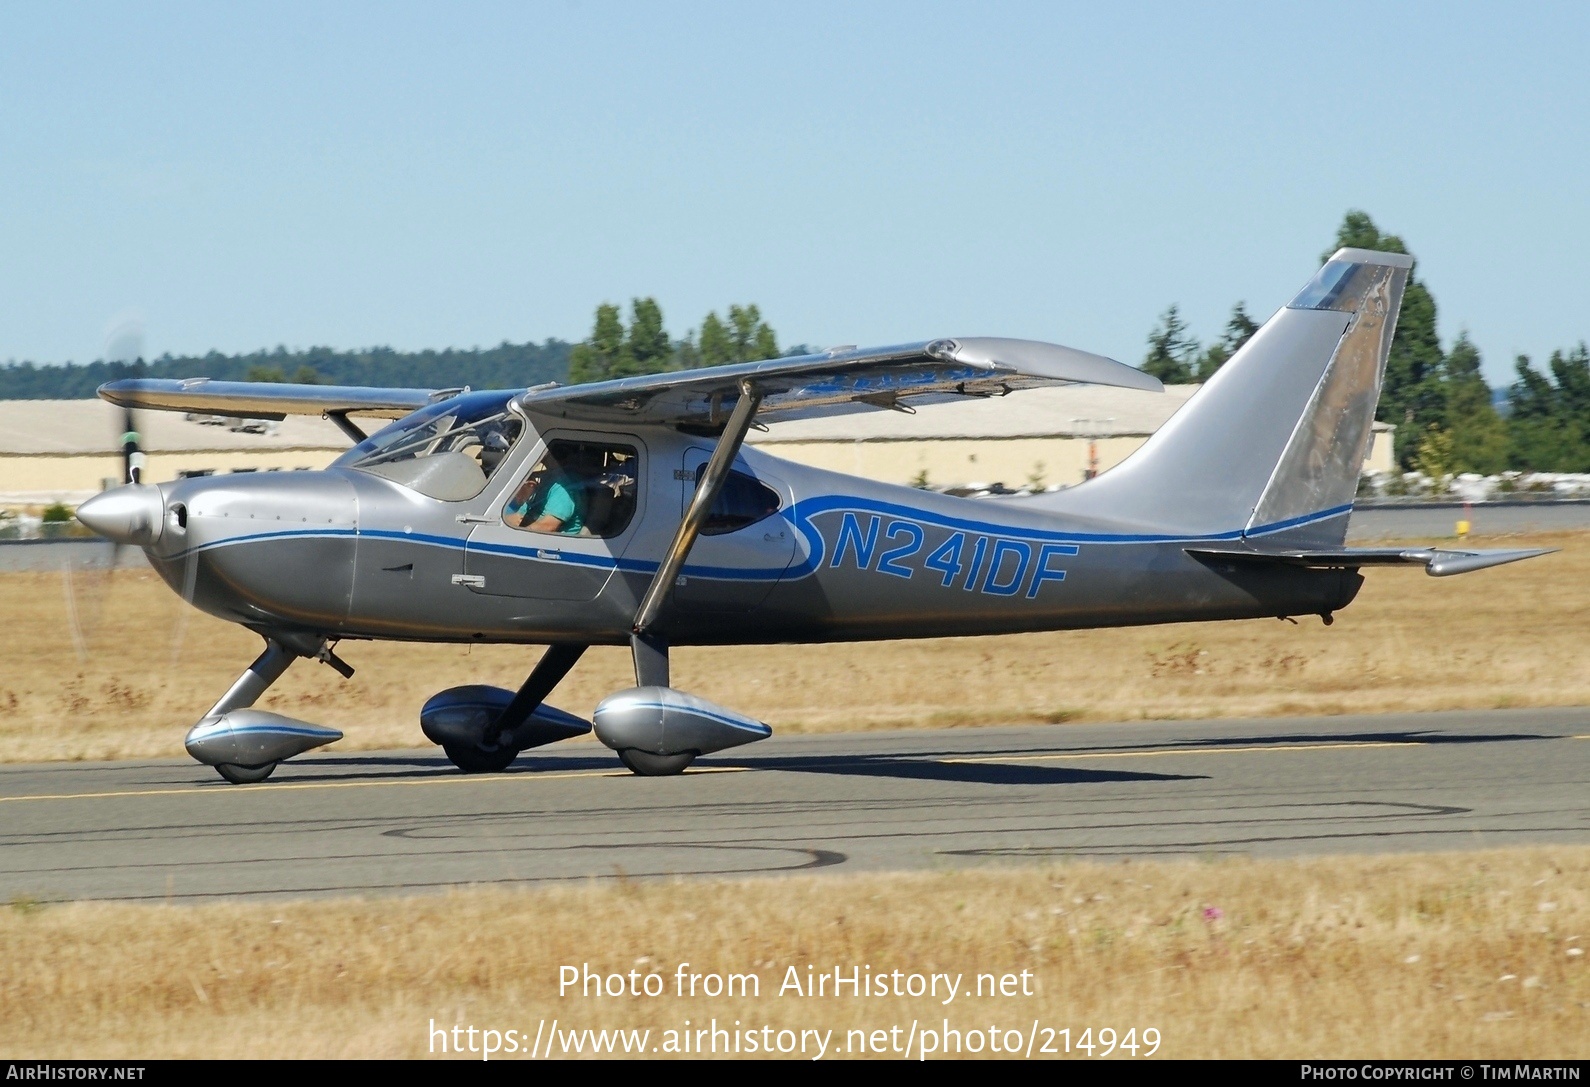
(79, 643)
(124, 345)
(190, 581)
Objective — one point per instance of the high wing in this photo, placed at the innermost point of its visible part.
(789, 388)
(1437, 561)
(836, 381)
(265, 399)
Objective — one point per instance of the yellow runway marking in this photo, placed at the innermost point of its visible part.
(285, 786)
(1263, 749)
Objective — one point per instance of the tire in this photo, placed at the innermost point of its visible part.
(648, 765)
(245, 775)
(473, 759)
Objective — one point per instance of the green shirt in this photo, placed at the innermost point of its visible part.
(554, 498)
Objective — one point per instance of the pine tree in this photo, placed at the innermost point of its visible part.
(1171, 349)
(650, 350)
(750, 337)
(644, 348)
(716, 348)
(1479, 435)
(1239, 330)
(606, 354)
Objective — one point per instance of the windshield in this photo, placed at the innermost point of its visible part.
(447, 450)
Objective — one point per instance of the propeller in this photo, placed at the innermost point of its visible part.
(124, 345)
(124, 350)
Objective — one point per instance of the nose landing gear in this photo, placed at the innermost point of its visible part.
(245, 745)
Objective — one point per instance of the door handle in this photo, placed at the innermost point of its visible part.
(470, 581)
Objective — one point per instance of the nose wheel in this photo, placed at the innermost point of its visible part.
(245, 775)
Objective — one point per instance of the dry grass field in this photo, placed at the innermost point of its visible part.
(1463, 954)
(1513, 636)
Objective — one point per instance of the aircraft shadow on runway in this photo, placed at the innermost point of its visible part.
(976, 773)
(1430, 738)
(909, 767)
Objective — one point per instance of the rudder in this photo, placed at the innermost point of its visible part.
(1273, 444)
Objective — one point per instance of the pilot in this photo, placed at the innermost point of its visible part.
(549, 501)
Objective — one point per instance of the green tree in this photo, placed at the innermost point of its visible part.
(1413, 395)
(306, 375)
(750, 337)
(1550, 420)
(1434, 458)
(606, 354)
(1479, 435)
(1171, 349)
(644, 348)
(260, 372)
(716, 347)
(1239, 330)
(650, 350)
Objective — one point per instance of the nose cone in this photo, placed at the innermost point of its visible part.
(133, 514)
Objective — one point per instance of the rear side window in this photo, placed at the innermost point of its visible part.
(743, 501)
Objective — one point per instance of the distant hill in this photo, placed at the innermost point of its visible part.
(506, 366)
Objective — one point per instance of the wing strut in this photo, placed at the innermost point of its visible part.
(347, 426)
(707, 488)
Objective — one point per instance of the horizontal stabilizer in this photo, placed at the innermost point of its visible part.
(1437, 562)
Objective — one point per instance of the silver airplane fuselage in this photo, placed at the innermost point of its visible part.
(347, 554)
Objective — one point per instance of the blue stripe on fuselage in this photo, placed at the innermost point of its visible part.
(799, 517)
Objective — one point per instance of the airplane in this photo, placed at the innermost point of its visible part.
(630, 512)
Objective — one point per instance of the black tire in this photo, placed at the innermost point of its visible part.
(245, 775)
(648, 765)
(474, 759)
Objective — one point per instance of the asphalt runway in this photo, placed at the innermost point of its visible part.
(406, 822)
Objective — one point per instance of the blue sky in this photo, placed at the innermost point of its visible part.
(451, 175)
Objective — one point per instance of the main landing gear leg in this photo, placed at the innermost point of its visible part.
(499, 745)
(651, 670)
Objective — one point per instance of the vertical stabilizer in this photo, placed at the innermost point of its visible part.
(1274, 443)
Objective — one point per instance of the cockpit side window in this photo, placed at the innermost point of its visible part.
(577, 489)
(447, 451)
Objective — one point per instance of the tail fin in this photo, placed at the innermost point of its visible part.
(1275, 441)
